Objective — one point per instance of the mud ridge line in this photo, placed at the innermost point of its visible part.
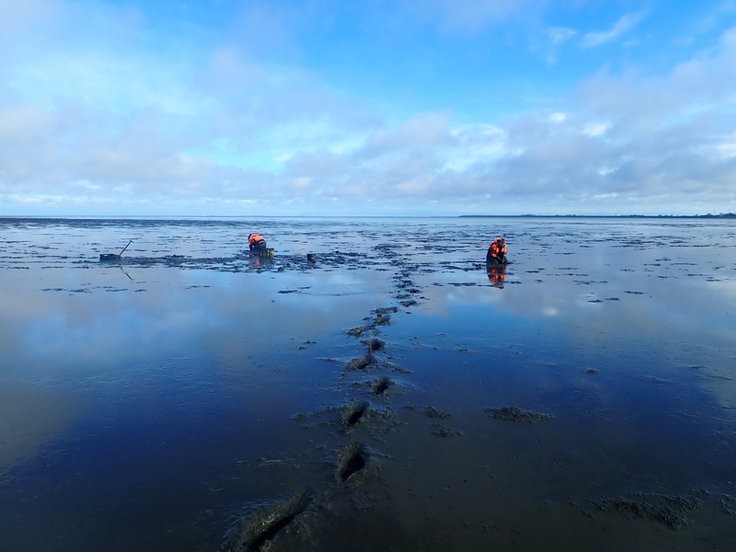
(252, 532)
(354, 461)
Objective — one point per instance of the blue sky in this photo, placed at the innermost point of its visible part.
(378, 107)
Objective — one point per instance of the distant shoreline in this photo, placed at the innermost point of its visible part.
(112, 218)
(709, 216)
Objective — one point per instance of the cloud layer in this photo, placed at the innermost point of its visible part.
(284, 109)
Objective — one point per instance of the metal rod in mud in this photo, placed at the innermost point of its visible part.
(124, 248)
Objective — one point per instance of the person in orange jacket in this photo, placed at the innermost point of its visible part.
(497, 252)
(256, 242)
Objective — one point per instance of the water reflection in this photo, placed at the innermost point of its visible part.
(497, 276)
(193, 370)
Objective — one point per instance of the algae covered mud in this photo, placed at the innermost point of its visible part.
(388, 394)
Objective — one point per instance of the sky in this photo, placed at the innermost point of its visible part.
(371, 107)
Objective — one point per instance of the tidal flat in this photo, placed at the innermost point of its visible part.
(388, 394)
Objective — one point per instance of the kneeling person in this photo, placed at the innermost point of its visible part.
(497, 252)
(256, 243)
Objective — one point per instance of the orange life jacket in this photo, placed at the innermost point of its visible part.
(253, 238)
(497, 249)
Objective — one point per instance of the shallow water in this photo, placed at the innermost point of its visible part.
(153, 402)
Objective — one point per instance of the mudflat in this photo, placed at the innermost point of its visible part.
(390, 392)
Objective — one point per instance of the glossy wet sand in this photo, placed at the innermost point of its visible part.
(158, 402)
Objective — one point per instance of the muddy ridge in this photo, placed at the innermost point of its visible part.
(351, 460)
(251, 533)
(668, 510)
(513, 414)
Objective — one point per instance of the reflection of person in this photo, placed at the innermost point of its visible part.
(497, 252)
(497, 276)
(256, 242)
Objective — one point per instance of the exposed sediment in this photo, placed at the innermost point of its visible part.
(351, 460)
(361, 363)
(668, 510)
(374, 344)
(436, 413)
(252, 532)
(513, 414)
(352, 414)
(380, 385)
(445, 432)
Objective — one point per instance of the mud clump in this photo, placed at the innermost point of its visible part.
(358, 331)
(383, 316)
(382, 320)
(361, 363)
(353, 413)
(351, 460)
(513, 414)
(380, 386)
(250, 534)
(669, 510)
(375, 344)
(728, 504)
(445, 432)
(437, 414)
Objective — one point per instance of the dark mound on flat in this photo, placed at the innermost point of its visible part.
(380, 386)
(513, 414)
(263, 525)
(353, 413)
(351, 460)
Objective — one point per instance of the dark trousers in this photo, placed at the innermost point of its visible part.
(498, 259)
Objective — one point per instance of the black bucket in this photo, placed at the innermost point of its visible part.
(109, 257)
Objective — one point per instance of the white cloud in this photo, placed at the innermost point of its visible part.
(623, 25)
(419, 131)
(560, 35)
(108, 129)
(555, 39)
(595, 129)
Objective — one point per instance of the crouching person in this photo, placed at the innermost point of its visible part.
(256, 243)
(497, 252)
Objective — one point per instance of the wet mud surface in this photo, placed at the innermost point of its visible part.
(668, 510)
(264, 524)
(358, 400)
(513, 414)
